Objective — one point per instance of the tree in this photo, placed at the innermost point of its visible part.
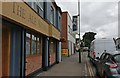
(88, 37)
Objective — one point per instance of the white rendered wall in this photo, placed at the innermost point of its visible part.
(71, 39)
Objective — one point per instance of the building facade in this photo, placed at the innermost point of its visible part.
(68, 45)
(30, 37)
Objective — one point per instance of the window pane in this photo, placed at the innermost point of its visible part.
(38, 45)
(27, 44)
(33, 44)
(52, 15)
(117, 58)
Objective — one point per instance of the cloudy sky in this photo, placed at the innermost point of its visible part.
(100, 16)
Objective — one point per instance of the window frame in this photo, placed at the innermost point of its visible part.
(35, 44)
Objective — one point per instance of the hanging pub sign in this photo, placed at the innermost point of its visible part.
(75, 25)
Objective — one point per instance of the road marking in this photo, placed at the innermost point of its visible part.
(85, 66)
(89, 67)
(90, 70)
(85, 70)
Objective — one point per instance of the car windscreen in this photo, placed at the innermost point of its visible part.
(117, 58)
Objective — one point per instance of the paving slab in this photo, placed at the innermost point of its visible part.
(70, 66)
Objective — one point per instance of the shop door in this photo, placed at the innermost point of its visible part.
(52, 50)
(5, 51)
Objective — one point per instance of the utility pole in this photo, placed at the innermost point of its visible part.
(79, 29)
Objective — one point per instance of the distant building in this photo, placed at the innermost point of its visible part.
(31, 33)
(67, 34)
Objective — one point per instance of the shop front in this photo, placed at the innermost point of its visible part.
(33, 53)
(29, 43)
(12, 49)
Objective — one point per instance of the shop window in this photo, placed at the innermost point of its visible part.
(33, 45)
(34, 60)
(38, 45)
(27, 44)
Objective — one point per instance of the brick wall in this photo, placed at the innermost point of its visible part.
(64, 30)
(34, 62)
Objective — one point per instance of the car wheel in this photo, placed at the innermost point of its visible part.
(105, 76)
(97, 73)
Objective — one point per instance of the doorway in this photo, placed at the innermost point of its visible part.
(5, 51)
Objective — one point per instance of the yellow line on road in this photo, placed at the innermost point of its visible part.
(90, 70)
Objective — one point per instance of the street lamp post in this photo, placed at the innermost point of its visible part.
(79, 29)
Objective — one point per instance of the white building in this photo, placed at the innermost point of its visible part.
(71, 36)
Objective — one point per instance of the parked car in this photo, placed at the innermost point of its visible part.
(100, 45)
(108, 65)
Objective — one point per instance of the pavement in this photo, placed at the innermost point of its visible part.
(70, 66)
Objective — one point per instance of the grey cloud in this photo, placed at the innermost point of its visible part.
(99, 17)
